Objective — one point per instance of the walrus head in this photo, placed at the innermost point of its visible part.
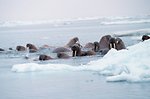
(112, 43)
(76, 50)
(31, 47)
(96, 46)
(145, 37)
(76, 39)
(44, 57)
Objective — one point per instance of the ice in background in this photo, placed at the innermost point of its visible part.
(87, 29)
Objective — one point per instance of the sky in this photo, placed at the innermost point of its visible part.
(63, 9)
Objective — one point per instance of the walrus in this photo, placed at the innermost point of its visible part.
(32, 48)
(145, 37)
(62, 55)
(61, 49)
(92, 46)
(89, 45)
(116, 43)
(107, 42)
(10, 48)
(120, 44)
(76, 51)
(89, 53)
(112, 43)
(72, 42)
(67, 47)
(104, 44)
(44, 57)
(2, 49)
(20, 48)
(96, 46)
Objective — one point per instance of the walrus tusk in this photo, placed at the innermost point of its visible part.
(78, 42)
(96, 48)
(110, 45)
(117, 41)
(114, 45)
(75, 53)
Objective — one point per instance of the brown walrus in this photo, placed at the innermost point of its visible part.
(67, 47)
(2, 49)
(145, 37)
(62, 55)
(120, 44)
(92, 46)
(107, 42)
(72, 42)
(96, 46)
(76, 51)
(112, 43)
(104, 44)
(44, 57)
(117, 44)
(31, 47)
(89, 45)
(61, 49)
(20, 48)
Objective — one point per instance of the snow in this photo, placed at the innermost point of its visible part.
(130, 65)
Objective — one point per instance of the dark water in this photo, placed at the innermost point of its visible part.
(63, 84)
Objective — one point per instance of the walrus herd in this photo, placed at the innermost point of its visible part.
(106, 43)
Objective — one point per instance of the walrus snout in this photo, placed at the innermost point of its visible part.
(96, 46)
(112, 43)
(75, 48)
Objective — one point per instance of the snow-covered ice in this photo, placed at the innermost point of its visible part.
(131, 64)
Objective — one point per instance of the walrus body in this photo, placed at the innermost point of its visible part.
(104, 44)
(61, 49)
(72, 42)
(145, 37)
(92, 46)
(67, 47)
(44, 57)
(20, 48)
(32, 48)
(63, 55)
(120, 44)
(89, 45)
(76, 51)
(2, 49)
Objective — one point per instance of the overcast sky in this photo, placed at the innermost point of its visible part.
(58, 9)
